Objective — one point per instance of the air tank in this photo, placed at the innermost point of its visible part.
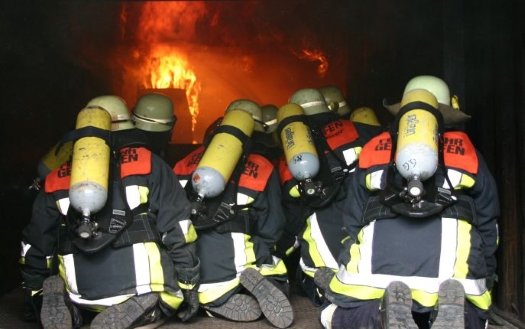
(298, 146)
(90, 164)
(417, 141)
(221, 156)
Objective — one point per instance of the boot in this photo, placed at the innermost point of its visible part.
(273, 302)
(239, 307)
(55, 313)
(451, 306)
(396, 307)
(129, 314)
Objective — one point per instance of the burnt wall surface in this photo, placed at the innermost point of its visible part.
(477, 47)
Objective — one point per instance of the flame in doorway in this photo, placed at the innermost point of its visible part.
(167, 68)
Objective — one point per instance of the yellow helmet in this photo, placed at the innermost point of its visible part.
(365, 115)
(117, 108)
(439, 89)
(311, 100)
(250, 107)
(335, 100)
(154, 112)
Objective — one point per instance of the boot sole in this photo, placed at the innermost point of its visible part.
(451, 306)
(397, 307)
(273, 302)
(54, 312)
(124, 315)
(239, 307)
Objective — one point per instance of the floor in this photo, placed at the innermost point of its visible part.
(306, 317)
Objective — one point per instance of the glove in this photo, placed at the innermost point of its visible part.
(32, 305)
(190, 305)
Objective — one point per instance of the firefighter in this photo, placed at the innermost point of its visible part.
(313, 231)
(119, 222)
(267, 142)
(238, 216)
(421, 227)
(153, 114)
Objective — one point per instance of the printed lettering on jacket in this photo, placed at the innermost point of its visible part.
(188, 164)
(458, 152)
(257, 171)
(133, 160)
(339, 133)
(377, 151)
(59, 178)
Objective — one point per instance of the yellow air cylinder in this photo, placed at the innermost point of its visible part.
(90, 165)
(298, 146)
(54, 158)
(221, 156)
(417, 142)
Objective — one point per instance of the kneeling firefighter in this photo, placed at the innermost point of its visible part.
(237, 213)
(421, 224)
(321, 150)
(119, 223)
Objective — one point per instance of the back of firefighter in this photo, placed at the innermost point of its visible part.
(241, 279)
(411, 259)
(314, 221)
(136, 263)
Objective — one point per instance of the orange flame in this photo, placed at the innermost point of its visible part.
(316, 55)
(166, 68)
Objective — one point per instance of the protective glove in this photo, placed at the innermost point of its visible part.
(32, 305)
(190, 306)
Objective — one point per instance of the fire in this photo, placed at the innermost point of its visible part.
(167, 68)
(316, 55)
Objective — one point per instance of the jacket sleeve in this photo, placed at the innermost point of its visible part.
(39, 241)
(486, 202)
(269, 220)
(169, 203)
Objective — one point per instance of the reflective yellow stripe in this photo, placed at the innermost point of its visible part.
(368, 181)
(483, 302)
(212, 291)
(173, 301)
(249, 250)
(312, 246)
(462, 250)
(294, 192)
(143, 192)
(425, 298)
(277, 268)
(466, 181)
(355, 291)
(155, 267)
(355, 258)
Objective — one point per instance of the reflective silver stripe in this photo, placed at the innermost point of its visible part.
(455, 178)
(314, 103)
(320, 243)
(243, 199)
(447, 257)
(70, 272)
(133, 196)
(63, 205)
(350, 156)
(239, 247)
(342, 103)
(271, 122)
(24, 248)
(161, 121)
(142, 270)
(185, 226)
(375, 179)
(183, 182)
(77, 299)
